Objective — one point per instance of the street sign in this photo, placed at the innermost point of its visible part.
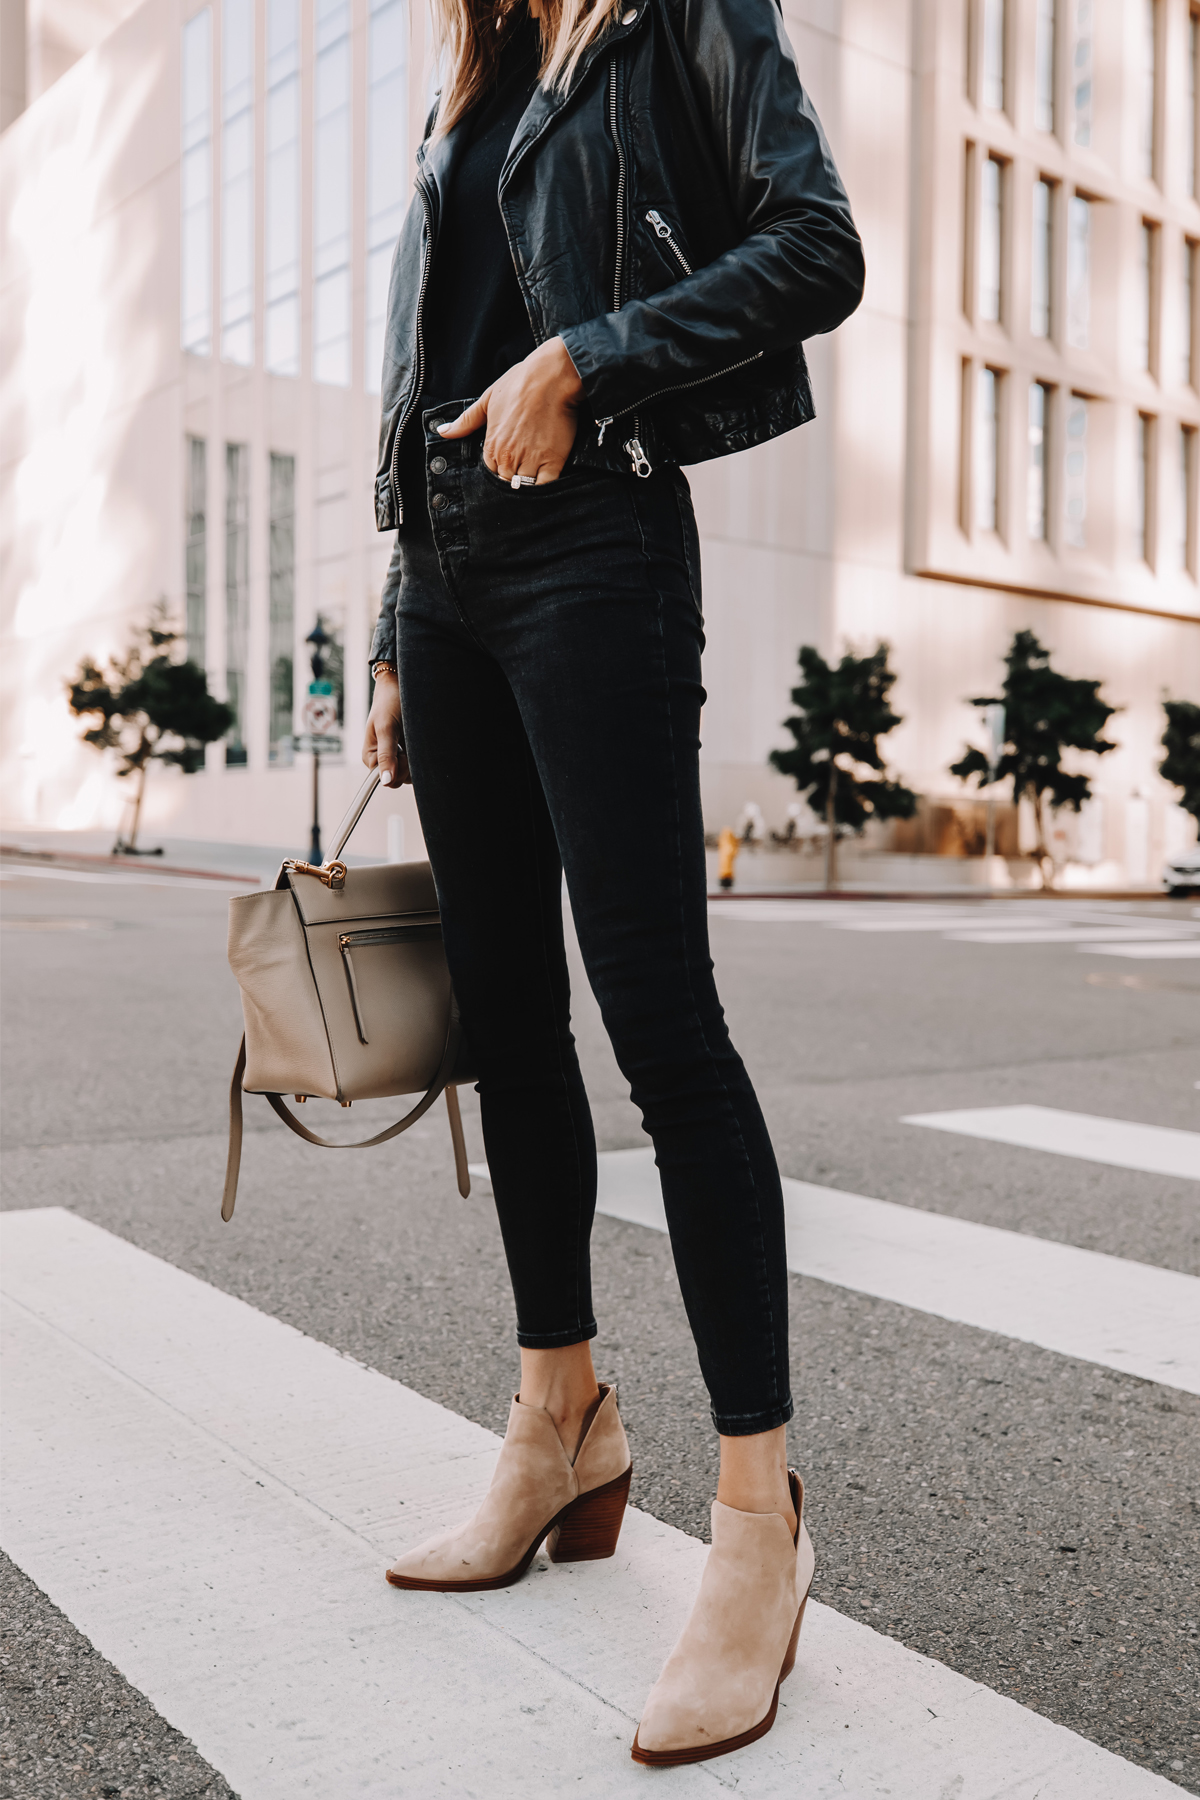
(320, 714)
(325, 744)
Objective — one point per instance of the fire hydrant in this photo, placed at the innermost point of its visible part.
(728, 845)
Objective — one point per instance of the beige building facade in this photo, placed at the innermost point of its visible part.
(197, 219)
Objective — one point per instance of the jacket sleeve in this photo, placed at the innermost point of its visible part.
(799, 268)
(383, 640)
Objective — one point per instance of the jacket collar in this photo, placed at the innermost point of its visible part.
(438, 161)
(544, 107)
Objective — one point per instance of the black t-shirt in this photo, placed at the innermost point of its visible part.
(475, 324)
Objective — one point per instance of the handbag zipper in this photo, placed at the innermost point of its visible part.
(426, 259)
(379, 934)
(663, 230)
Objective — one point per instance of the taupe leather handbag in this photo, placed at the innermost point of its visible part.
(345, 994)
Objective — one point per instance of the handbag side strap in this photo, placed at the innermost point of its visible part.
(275, 1102)
(459, 1141)
(233, 1161)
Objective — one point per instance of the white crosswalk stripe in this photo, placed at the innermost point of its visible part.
(1123, 1143)
(1094, 929)
(1123, 1315)
(210, 1496)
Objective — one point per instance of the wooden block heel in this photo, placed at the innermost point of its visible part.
(789, 1661)
(589, 1528)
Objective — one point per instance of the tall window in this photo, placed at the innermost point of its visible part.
(1079, 271)
(283, 603)
(1143, 496)
(991, 236)
(1035, 468)
(237, 181)
(1187, 328)
(1075, 472)
(1045, 61)
(1081, 72)
(1043, 259)
(987, 450)
(387, 164)
(282, 336)
(1192, 123)
(196, 184)
(1035, 478)
(237, 594)
(195, 555)
(1149, 84)
(331, 194)
(1144, 296)
(1185, 505)
(993, 54)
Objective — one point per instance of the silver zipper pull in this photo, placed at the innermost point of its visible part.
(638, 457)
(604, 425)
(661, 228)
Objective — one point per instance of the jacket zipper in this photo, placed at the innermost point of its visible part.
(380, 934)
(663, 230)
(632, 447)
(415, 396)
(676, 387)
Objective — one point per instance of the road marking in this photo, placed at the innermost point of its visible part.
(1079, 934)
(1184, 948)
(210, 1496)
(1102, 1309)
(15, 872)
(1125, 1144)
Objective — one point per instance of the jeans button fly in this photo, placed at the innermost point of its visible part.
(438, 501)
(438, 465)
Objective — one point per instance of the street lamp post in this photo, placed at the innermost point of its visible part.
(993, 718)
(320, 714)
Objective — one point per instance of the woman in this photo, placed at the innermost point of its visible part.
(627, 219)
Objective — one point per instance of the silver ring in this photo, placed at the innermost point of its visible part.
(520, 481)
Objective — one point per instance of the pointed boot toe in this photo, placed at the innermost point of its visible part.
(536, 1491)
(720, 1687)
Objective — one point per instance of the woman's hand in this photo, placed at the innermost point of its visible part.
(383, 746)
(530, 414)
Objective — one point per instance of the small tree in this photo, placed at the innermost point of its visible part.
(149, 708)
(1181, 741)
(1045, 713)
(843, 712)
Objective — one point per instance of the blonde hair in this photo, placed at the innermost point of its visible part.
(471, 34)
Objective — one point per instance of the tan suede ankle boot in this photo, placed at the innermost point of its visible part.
(720, 1687)
(536, 1492)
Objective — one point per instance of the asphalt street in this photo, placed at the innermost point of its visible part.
(1029, 1520)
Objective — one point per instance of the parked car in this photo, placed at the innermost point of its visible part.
(1182, 873)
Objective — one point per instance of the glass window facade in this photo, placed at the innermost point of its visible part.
(237, 181)
(331, 194)
(281, 647)
(1045, 64)
(991, 237)
(1142, 488)
(1079, 271)
(196, 185)
(388, 175)
(987, 450)
(237, 595)
(1042, 261)
(1185, 520)
(1193, 55)
(993, 54)
(1187, 323)
(281, 350)
(1144, 297)
(195, 554)
(1149, 85)
(1075, 473)
(1081, 72)
(1035, 476)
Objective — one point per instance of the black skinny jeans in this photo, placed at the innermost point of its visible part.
(549, 647)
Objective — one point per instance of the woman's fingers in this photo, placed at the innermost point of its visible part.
(471, 420)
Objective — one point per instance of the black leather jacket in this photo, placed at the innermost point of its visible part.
(677, 219)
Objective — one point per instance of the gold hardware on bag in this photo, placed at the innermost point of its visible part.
(333, 874)
(300, 1099)
(346, 1103)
